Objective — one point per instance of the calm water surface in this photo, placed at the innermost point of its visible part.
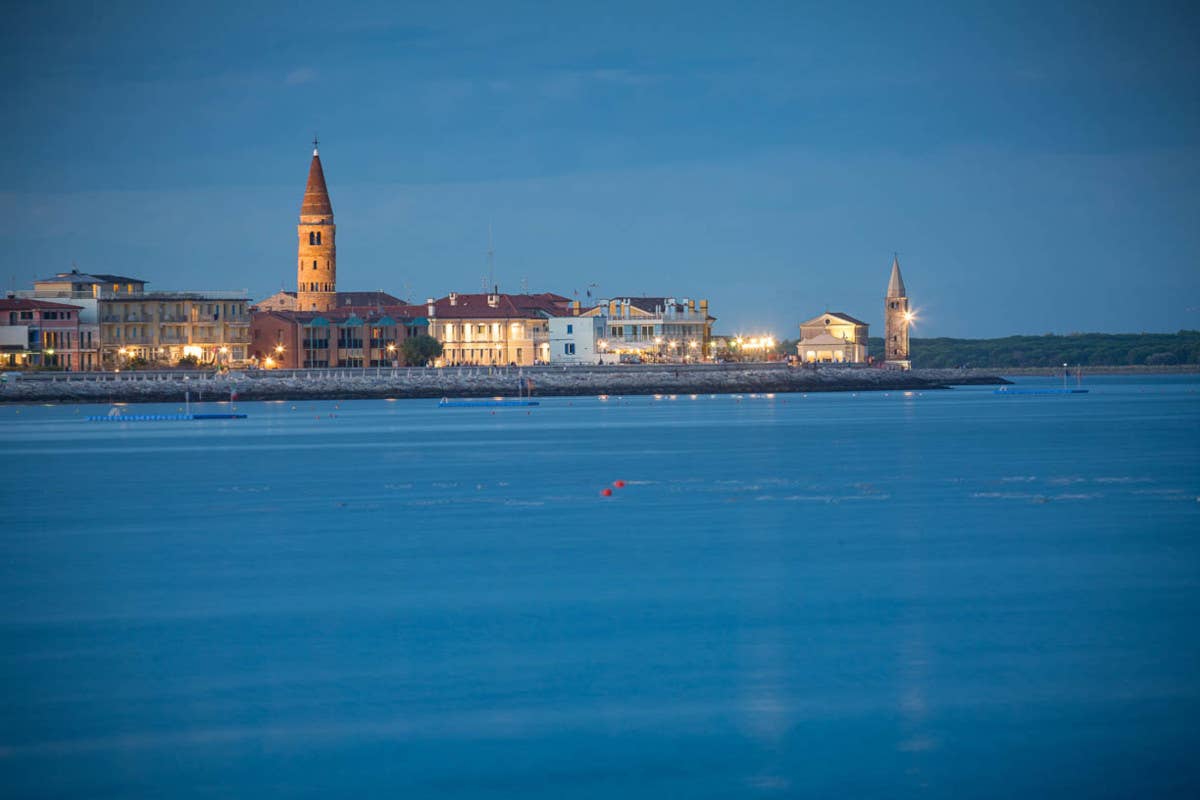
(943, 594)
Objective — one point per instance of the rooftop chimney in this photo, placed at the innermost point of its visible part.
(429, 307)
(453, 298)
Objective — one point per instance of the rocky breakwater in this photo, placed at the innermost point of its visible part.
(470, 382)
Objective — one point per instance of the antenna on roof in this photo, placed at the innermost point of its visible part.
(524, 285)
(491, 258)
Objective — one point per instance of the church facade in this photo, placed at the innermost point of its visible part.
(833, 337)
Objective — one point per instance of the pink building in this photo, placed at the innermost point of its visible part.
(38, 333)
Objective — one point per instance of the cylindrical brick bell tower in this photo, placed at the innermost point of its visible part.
(316, 274)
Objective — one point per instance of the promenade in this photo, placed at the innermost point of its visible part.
(406, 382)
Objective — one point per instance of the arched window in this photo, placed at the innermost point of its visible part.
(312, 238)
(318, 237)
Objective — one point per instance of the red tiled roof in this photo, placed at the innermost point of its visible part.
(365, 299)
(508, 306)
(367, 314)
(22, 304)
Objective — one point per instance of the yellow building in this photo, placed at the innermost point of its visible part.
(833, 337)
(495, 329)
(163, 327)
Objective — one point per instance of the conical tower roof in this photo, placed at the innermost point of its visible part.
(896, 284)
(316, 196)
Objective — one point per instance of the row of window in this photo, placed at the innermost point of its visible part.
(176, 312)
(59, 339)
(480, 331)
(328, 264)
(314, 237)
(316, 287)
(479, 355)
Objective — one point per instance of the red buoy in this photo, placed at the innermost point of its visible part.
(606, 492)
(619, 484)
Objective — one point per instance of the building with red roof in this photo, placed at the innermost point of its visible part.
(345, 337)
(40, 334)
(495, 328)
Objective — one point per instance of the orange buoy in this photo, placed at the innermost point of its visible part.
(606, 492)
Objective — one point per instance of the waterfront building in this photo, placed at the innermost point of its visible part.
(656, 328)
(120, 321)
(338, 338)
(495, 329)
(833, 337)
(316, 272)
(897, 317)
(579, 340)
(85, 290)
(41, 334)
(213, 327)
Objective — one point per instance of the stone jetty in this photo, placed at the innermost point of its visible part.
(405, 382)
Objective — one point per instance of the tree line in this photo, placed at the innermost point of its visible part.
(1051, 350)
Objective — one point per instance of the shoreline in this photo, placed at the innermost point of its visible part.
(474, 382)
(1130, 369)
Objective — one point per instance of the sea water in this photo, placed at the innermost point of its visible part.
(936, 594)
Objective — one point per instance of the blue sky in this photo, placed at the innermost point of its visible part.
(1037, 168)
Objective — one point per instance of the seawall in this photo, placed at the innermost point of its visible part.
(470, 382)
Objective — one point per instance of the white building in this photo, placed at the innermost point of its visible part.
(579, 340)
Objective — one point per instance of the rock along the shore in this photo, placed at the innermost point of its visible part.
(415, 382)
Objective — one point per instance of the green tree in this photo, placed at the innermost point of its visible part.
(421, 349)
